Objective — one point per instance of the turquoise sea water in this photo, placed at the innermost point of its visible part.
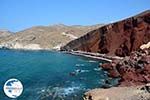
(49, 75)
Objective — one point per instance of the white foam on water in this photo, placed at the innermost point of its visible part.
(70, 90)
(81, 71)
(97, 69)
(78, 65)
(65, 91)
(61, 91)
(101, 81)
(92, 61)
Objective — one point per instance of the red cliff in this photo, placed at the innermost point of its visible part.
(119, 38)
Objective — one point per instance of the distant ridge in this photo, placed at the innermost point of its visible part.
(45, 37)
(5, 33)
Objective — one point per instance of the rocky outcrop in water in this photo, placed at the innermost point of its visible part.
(134, 77)
(132, 70)
(120, 38)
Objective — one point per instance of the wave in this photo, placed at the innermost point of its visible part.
(78, 65)
(59, 92)
(92, 61)
(97, 69)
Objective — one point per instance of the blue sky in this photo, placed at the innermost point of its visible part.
(16, 15)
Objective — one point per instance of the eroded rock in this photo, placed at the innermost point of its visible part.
(132, 70)
(120, 38)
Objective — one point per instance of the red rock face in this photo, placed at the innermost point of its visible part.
(120, 38)
(132, 70)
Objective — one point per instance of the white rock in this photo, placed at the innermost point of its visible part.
(145, 46)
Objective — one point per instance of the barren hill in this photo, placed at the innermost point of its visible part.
(45, 37)
(4, 33)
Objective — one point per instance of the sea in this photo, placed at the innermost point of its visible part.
(51, 75)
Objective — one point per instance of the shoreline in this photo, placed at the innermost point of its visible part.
(134, 83)
(119, 93)
(23, 49)
(101, 93)
(97, 56)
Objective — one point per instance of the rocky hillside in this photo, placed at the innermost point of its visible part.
(119, 38)
(45, 37)
(5, 33)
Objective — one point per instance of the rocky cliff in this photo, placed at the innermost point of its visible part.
(132, 70)
(134, 77)
(119, 38)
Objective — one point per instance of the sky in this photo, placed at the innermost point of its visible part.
(16, 15)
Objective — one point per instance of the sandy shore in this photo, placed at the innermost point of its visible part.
(97, 56)
(119, 93)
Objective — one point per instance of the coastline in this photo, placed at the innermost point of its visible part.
(54, 68)
(109, 59)
(28, 49)
(134, 74)
(97, 56)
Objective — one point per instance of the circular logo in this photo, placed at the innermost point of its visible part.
(13, 88)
